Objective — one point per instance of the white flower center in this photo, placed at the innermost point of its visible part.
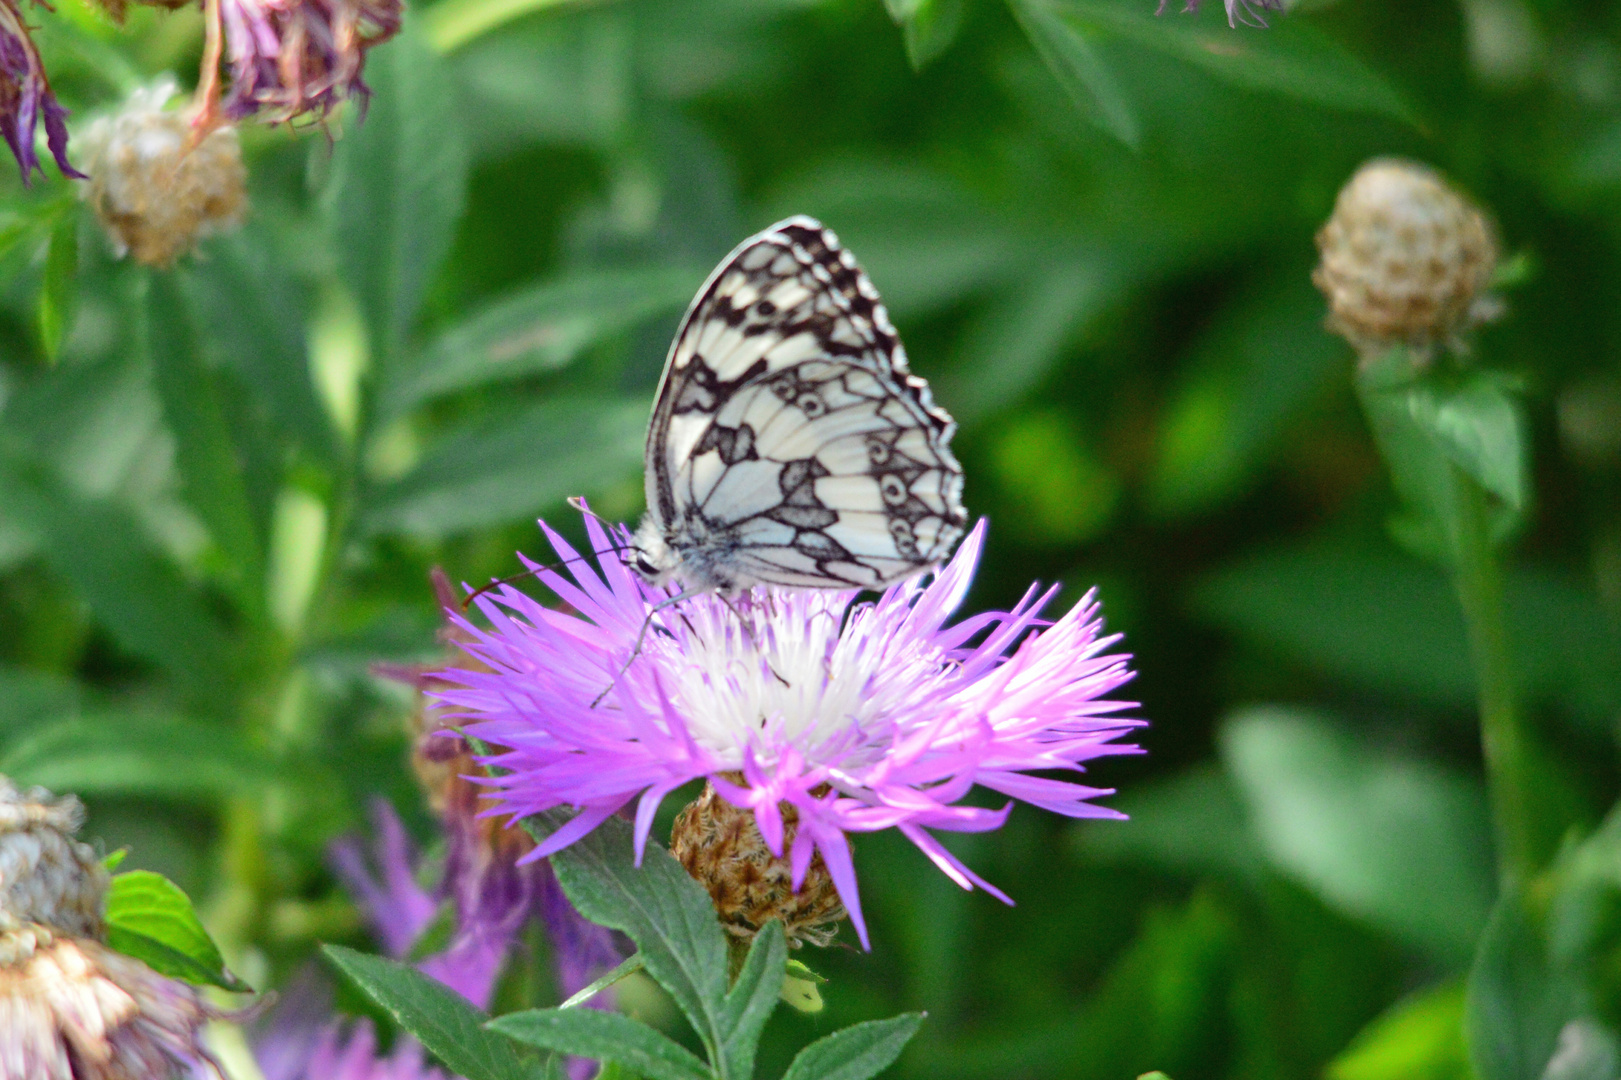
(784, 675)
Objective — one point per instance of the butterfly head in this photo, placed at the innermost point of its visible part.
(651, 556)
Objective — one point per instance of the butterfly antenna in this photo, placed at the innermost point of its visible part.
(636, 650)
(476, 593)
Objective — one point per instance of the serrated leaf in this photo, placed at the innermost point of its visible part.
(111, 753)
(60, 291)
(663, 910)
(856, 1053)
(539, 329)
(605, 1037)
(152, 919)
(510, 467)
(211, 474)
(442, 1020)
(753, 996)
(399, 178)
(1070, 52)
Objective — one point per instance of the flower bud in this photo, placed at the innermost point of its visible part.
(155, 192)
(721, 846)
(1406, 259)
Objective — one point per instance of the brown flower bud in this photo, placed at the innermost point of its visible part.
(722, 848)
(1406, 259)
(155, 192)
(46, 876)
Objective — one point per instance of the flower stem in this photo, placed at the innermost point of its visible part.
(1478, 578)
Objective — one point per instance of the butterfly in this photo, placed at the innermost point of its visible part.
(789, 443)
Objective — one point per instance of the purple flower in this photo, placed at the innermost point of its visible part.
(858, 716)
(26, 98)
(305, 1043)
(1247, 12)
(292, 57)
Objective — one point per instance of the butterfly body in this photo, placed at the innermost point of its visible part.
(789, 442)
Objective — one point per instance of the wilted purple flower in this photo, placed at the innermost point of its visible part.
(292, 57)
(855, 717)
(26, 98)
(1247, 12)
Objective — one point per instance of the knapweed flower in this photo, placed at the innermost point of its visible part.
(155, 188)
(305, 1043)
(70, 1008)
(292, 57)
(858, 716)
(1406, 259)
(26, 98)
(1247, 12)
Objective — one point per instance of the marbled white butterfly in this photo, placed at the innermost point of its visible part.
(789, 443)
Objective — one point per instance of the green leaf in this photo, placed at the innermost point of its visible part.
(151, 919)
(1519, 997)
(60, 291)
(667, 914)
(205, 453)
(112, 753)
(856, 1053)
(539, 329)
(753, 996)
(629, 966)
(510, 467)
(605, 1037)
(399, 180)
(441, 1019)
(252, 316)
(928, 27)
(134, 590)
(1478, 425)
(1292, 57)
(31, 699)
(1399, 842)
(1418, 1038)
(1390, 624)
(1070, 51)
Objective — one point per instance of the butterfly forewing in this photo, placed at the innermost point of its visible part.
(789, 443)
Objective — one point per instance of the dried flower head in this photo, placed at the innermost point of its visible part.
(292, 57)
(722, 848)
(70, 1008)
(26, 98)
(1247, 12)
(46, 876)
(1406, 259)
(859, 716)
(155, 187)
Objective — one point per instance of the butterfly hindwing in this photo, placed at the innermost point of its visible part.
(789, 442)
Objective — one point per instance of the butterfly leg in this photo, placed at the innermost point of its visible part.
(636, 650)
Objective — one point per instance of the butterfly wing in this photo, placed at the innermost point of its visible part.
(789, 443)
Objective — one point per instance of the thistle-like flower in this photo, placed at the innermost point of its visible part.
(70, 1008)
(26, 98)
(154, 186)
(1406, 259)
(294, 57)
(1247, 12)
(855, 716)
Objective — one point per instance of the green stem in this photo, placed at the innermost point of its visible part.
(1478, 577)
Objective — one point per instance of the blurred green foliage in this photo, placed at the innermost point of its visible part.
(222, 486)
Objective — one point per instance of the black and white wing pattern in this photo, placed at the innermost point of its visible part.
(789, 443)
